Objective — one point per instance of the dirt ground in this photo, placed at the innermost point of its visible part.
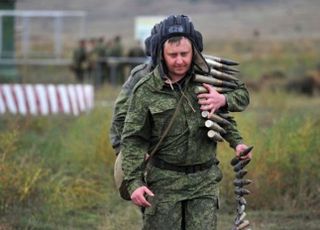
(268, 220)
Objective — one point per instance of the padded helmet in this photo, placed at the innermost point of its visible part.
(180, 25)
(147, 42)
(176, 25)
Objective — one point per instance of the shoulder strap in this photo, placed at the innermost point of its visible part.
(165, 132)
(171, 121)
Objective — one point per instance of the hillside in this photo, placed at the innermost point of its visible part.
(286, 19)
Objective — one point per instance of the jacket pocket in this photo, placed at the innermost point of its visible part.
(161, 113)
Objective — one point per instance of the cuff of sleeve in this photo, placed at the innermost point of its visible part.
(228, 102)
(133, 185)
(234, 144)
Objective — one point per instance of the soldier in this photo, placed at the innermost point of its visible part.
(180, 189)
(79, 61)
(117, 50)
(92, 57)
(122, 102)
(101, 52)
(136, 51)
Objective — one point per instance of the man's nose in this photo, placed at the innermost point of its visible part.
(179, 59)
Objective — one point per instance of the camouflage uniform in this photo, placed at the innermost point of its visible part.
(117, 50)
(195, 194)
(236, 101)
(122, 103)
(79, 58)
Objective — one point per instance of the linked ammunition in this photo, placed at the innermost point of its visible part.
(231, 71)
(235, 161)
(214, 126)
(223, 89)
(245, 152)
(217, 65)
(241, 173)
(205, 114)
(241, 191)
(213, 81)
(215, 117)
(240, 218)
(243, 225)
(215, 136)
(241, 164)
(200, 89)
(242, 200)
(225, 115)
(240, 209)
(241, 182)
(221, 60)
(222, 76)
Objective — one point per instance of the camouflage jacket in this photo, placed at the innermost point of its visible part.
(121, 104)
(152, 105)
(237, 101)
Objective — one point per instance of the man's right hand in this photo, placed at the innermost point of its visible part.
(138, 196)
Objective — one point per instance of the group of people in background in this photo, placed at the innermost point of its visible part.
(91, 60)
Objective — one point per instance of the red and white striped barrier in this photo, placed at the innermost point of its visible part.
(45, 99)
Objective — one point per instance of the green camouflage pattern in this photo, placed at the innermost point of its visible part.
(122, 102)
(237, 101)
(152, 104)
(151, 107)
(198, 196)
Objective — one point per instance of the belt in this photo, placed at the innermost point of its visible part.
(187, 169)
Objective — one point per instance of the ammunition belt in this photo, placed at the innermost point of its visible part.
(187, 169)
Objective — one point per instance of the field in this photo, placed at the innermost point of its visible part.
(56, 171)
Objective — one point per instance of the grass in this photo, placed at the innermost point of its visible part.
(62, 169)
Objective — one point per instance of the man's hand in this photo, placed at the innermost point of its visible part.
(212, 100)
(240, 148)
(138, 196)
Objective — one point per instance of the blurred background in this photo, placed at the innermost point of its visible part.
(56, 165)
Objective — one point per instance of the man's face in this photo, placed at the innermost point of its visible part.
(178, 57)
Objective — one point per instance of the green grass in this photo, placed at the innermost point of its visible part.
(62, 168)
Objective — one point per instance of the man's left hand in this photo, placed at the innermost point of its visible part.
(212, 100)
(240, 148)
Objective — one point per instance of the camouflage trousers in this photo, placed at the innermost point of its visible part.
(182, 201)
(194, 214)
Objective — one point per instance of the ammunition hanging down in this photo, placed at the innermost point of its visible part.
(222, 78)
(238, 167)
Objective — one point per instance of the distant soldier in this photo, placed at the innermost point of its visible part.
(100, 51)
(117, 50)
(79, 61)
(92, 57)
(136, 51)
